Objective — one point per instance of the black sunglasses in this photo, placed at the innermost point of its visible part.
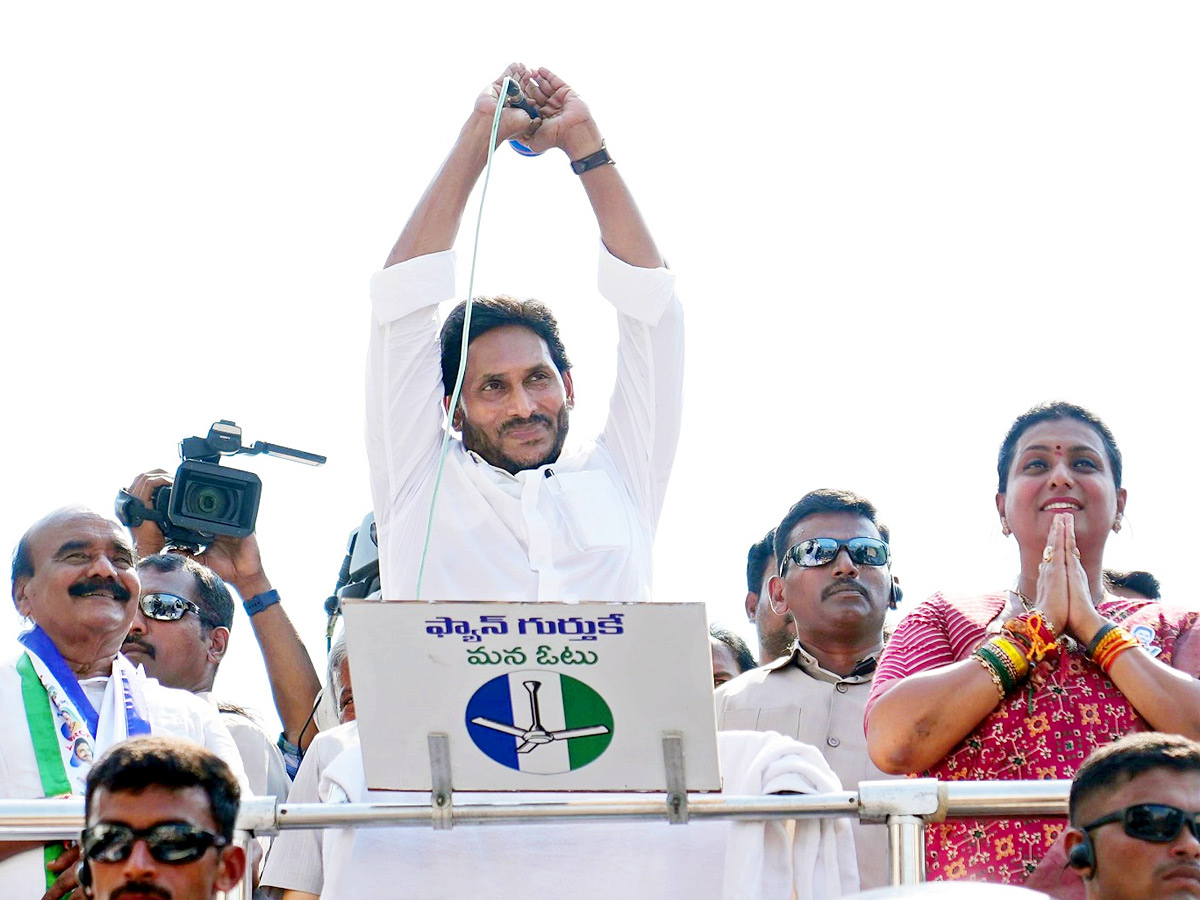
(172, 842)
(170, 608)
(1153, 822)
(864, 551)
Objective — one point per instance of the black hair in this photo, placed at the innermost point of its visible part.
(22, 563)
(826, 500)
(739, 648)
(1049, 412)
(212, 596)
(1136, 581)
(1121, 761)
(756, 561)
(172, 763)
(488, 313)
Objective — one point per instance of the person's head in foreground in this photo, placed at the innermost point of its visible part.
(159, 817)
(1135, 819)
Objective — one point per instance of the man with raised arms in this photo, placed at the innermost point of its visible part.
(516, 517)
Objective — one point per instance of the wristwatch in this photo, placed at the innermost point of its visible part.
(593, 161)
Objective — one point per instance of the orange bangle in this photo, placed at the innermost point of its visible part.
(1105, 660)
(1115, 635)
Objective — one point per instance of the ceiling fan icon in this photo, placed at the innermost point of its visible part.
(536, 735)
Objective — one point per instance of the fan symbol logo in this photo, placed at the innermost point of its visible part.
(539, 722)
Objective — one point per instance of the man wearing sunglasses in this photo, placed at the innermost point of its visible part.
(70, 694)
(180, 634)
(835, 580)
(160, 814)
(1135, 821)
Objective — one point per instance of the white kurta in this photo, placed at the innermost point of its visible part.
(580, 528)
(703, 860)
(171, 711)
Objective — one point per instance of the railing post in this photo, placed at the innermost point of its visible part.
(906, 849)
(903, 804)
(244, 890)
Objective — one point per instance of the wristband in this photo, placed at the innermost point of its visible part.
(1099, 636)
(259, 602)
(594, 161)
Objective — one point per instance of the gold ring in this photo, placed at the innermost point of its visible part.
(1048, 555)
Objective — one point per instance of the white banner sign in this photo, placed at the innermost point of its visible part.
(532, 696)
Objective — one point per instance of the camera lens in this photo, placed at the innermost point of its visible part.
(212, 501)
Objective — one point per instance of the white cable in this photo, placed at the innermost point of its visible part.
(466, 332)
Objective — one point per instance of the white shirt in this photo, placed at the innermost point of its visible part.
(580, 528)
(295, 859)
(265, 769)
(171, 711)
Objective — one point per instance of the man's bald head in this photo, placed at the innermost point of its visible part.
(73, 575)
(22, 562)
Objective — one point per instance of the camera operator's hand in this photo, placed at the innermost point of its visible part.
(235, 560)
(148, 537)
(238, 562)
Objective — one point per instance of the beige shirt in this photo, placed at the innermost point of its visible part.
(796, 697)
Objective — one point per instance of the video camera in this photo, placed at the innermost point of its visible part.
(359, 575)
(207, 499)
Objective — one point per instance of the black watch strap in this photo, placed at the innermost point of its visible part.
(594, 161)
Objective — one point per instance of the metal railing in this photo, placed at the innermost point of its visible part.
(904, 806)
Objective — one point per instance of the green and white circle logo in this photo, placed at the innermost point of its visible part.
(540, 722)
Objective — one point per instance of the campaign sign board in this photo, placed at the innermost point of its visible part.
(532, 696)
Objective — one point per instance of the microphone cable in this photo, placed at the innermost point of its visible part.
(462, 356)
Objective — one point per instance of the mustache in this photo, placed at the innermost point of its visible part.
(140, 644)
(119, 591)
(140, 887)
(1180, 866)
(535, 419)
(845, 584)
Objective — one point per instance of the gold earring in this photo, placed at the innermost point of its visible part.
(1117, 524)
(1004, 529)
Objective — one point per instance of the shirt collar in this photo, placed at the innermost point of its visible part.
(808, 664)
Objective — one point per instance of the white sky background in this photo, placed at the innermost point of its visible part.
(896, 226)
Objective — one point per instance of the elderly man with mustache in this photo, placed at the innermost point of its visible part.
(69, 694)
(835, 579)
